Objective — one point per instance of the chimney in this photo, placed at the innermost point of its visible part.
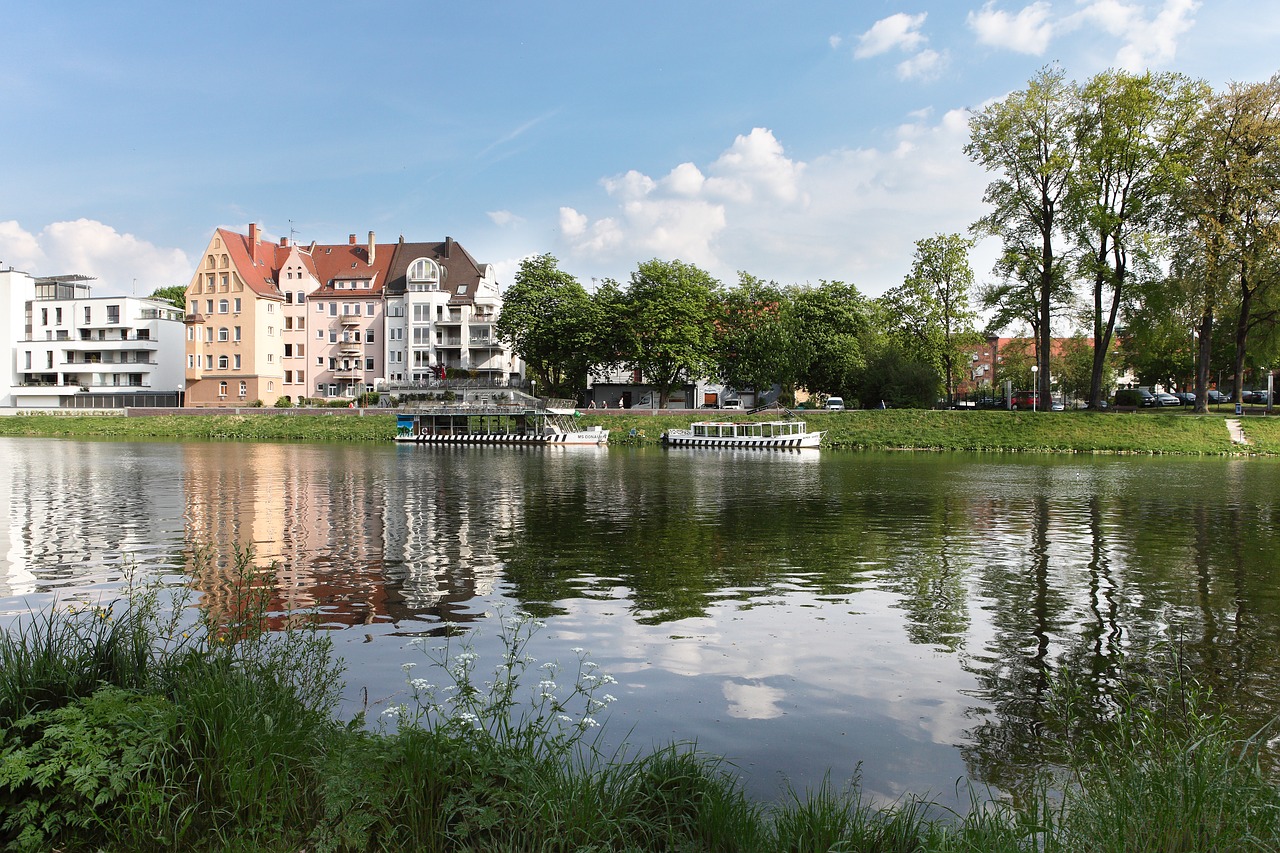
(448, 244)
(253, 242)
(351, 241)
(284, 241)
(370, 248)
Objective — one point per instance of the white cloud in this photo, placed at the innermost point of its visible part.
(850, 214)
(122, 263)
(503, 218)
(925, 65)
(835, 42)
(901, 31)
(1148, 42)
(1029, 31)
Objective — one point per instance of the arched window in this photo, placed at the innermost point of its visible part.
(222, 306)
(222, 362)
(222, 389)
(424, 274)
(223, 334)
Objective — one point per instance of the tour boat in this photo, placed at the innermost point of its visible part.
(525, 426)
(763, 434)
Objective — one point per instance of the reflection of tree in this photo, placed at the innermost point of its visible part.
(929, 575)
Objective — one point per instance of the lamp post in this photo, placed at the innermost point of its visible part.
(1035, 386)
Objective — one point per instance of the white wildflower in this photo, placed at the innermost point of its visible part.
(407, 666)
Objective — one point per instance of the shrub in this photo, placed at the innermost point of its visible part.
(284, 403)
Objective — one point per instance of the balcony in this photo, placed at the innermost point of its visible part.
(449, 341)
(350, 348)
(351, 319)
(484, 342)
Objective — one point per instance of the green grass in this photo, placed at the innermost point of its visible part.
(1263, 433)
(221, 736)
(1060, 432)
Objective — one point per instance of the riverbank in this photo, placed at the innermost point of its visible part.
(122, 727)
(982, 431)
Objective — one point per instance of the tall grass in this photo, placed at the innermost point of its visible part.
(124, 727)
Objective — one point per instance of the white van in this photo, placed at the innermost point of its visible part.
(731, 404)
(835, 404)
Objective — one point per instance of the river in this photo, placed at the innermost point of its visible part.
(896, 616)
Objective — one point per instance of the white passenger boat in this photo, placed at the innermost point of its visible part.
(496, 424)
(763, 434)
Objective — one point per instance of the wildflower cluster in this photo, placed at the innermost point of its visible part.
(550, 717)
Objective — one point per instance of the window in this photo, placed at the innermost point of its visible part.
(223, 362)
(333, 336)
(288, 377)
(224, 282)
(191, 333)
(288, 324)
(423, 274)
(44, 316)
(368, 336)
(368, 364)
(319, 307)
(288, 350)
(302, 350)
(208, 362)
(236, 333)
(333, 309)
(236, 304)
(87, 314)
(271, 331)
(302, 297)
(113, 313)
(319, 361)
(208, 334)
(57, 316)
(208, 306)
(462, 288)
(271, 386)
(244, 388)
(211, 263)
(320, 334)
(320, 388)
(224, 334)
(271, 358)
(195, 306)
(271, 308)
(191, 362)
(368, 308)
(235, 361)
(222, 306)
(222, 389)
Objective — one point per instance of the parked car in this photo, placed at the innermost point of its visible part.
(1187, 397)
(1024, 400)
(1163, 399)
(1057, 406)
(836, 404)
(1216, 396)
(1133, 397)
(1257, 397)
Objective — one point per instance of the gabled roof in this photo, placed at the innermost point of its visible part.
(350, 262)
(260, 275)
(459, 268)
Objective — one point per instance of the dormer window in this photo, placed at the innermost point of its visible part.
(423, 274)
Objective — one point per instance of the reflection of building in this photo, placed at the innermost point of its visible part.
(266, 321)
(73, 349)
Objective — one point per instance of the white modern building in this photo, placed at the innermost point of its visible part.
(71, 349)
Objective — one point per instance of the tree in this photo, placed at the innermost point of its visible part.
(175, 295)
(757, 336)
(934, 319)
(1028, 139)
(546, 317)
(1229, 204)
(834, 321)
(1126, 127)
(668, 323)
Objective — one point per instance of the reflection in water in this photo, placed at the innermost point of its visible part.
(798, 612)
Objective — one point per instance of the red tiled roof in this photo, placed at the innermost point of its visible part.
(259, 276)
(347, 262)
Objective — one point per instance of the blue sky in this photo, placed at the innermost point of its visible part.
(795, 141)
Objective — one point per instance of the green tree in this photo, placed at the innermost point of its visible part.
(1126, 127)
(934, 319)
(1229, 202)
(757, 336)
(667, 324)
(175, 295)
(546, 316)
(1027, 138)
(833, 322)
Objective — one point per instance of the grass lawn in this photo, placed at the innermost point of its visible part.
(1044, 432)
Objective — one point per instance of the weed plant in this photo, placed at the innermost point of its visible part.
(123, 727)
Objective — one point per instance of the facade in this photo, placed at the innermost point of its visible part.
(73, 349)
(266, 321)
(441, 310)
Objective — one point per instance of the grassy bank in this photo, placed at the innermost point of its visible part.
(1068, 432)
(123, 729)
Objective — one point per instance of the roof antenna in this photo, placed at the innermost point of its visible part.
(292, 241)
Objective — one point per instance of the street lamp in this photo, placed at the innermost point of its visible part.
(1035, 386)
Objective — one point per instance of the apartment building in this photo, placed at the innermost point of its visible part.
(72, 349)
(268, 320)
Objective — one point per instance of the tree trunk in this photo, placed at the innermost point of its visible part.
(1242, 328)
(1046, 291)
(1202, 361)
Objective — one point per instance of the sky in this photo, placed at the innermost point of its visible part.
(798, 142)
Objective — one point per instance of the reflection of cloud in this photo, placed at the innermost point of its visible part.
(753, 701)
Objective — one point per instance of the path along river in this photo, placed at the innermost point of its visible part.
(799, 613)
